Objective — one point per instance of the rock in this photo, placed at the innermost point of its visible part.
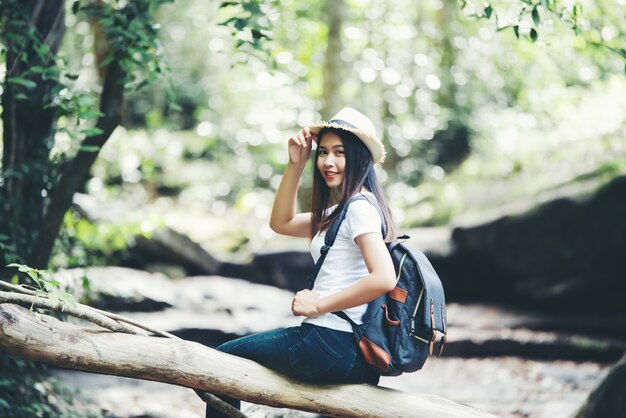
(286, 270)
(205, 309)
(492, 331)
(119, 288)
(563, 255)
(167, 245)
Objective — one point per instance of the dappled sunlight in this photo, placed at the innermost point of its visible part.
(503, 125)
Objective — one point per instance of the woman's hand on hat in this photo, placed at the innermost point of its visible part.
(305, 304)
(300, 146)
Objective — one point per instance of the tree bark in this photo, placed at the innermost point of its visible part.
(76, 172)
(35, 195)
(608, 400)
(28, 123)
(45, 339)
(334, 11)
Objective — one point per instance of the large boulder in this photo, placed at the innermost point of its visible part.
(565, 254)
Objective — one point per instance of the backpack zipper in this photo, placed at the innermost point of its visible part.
(400, 267)
(412, 333)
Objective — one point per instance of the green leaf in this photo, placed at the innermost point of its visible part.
(75, 6)
(109, 58)
(90, 114)
(241, 23)
(89, 148)
(86, 283)
(50, 74)
(533, 34)
(488, 11)
(32, 275)
(22, 82)
(67, 299)
(516, 31)
(536, 18)
(91, 132)
(72, 76)
(15, 265)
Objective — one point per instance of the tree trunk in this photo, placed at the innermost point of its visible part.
(36, 193)
(28, 124)
(46, 339)
(76, 172)
(608, 400)
(334, 12)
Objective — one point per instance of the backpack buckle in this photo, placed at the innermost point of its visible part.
(324, 249)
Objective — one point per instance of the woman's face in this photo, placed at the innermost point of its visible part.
(331, 160)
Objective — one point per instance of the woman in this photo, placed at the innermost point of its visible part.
(357, 269)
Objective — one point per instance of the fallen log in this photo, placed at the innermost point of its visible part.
(46, 339)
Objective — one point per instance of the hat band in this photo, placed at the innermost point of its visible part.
(343, 123)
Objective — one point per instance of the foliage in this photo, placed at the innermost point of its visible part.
(592, 23)
(25, 393)
(83, 243)
(420, 70)
(46, 285)
(132, 41)
(248, 23)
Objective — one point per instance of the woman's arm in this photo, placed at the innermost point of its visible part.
(379, 281)
(284, 219)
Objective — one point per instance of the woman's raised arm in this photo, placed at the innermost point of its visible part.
(284, 219)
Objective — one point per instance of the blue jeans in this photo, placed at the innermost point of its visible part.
(311, 353)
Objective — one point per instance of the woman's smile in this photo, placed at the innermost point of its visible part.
(331, 159)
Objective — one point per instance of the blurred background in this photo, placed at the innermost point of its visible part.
(504, 124)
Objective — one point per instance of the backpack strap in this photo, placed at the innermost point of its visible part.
(329, 240)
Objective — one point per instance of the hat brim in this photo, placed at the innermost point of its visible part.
(373, 144)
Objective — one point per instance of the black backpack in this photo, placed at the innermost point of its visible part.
(400, 328)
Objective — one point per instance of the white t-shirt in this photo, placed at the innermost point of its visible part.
(344, 264)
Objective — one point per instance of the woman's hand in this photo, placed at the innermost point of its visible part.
(300, 146)
(305, 304)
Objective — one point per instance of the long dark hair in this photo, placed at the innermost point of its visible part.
(359, 172)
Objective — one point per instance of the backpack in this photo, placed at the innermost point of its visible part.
(399, 328)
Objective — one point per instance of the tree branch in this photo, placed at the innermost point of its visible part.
(24, 290)
(77, 311)
(25, 296)
(184, 363)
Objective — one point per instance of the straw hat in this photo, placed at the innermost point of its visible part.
(356, 122)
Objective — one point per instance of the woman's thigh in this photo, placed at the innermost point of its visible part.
(336, 357)
(268, 348)
(308, 352)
